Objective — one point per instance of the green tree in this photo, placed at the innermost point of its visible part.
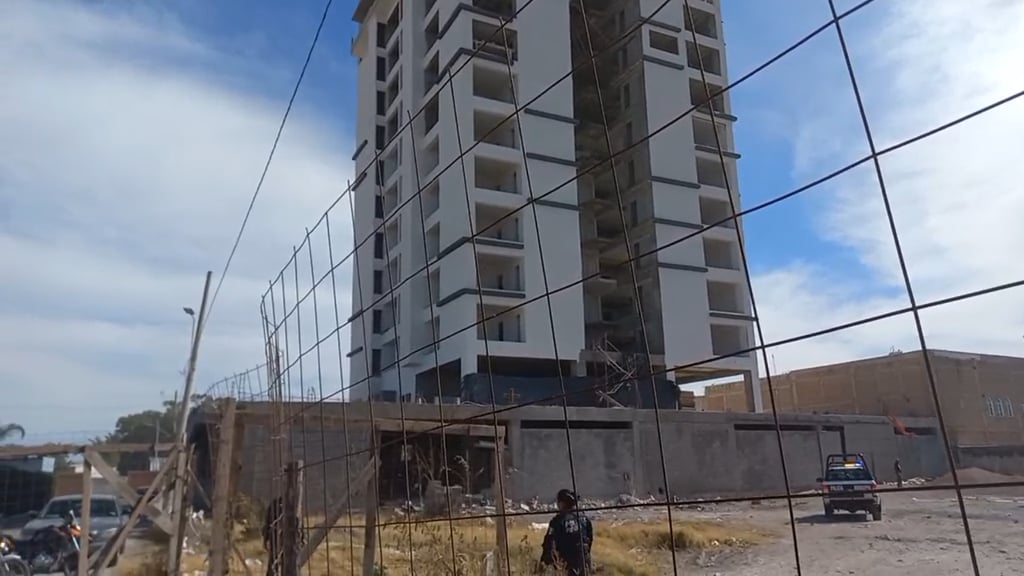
(146, 427)
(9, 430)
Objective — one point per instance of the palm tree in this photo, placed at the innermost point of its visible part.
(8, 430)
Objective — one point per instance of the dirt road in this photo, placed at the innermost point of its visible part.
(920, 534)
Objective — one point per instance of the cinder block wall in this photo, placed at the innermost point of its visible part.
(617, 451)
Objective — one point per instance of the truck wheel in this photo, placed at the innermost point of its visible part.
(876, 513)
(829, 511)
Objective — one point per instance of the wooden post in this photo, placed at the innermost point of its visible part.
(370, 530)
(181, 437)
(291, 539)
(220, 537)
(500, 525)
(83, 539)
(177, 503)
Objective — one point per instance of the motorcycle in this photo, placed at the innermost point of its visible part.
(55, 549)
(11, 564)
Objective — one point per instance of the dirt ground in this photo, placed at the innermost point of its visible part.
(920, 534)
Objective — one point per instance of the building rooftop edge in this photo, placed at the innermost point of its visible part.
(362, 9)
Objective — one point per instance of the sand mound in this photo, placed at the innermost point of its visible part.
(976, 476)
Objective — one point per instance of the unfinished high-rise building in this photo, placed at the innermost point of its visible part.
(471, 244)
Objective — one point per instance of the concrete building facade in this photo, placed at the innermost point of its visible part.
(980, 394)
(448, 191)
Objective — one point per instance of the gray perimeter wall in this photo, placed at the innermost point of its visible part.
(615, 451)
(710, 454)
(1005, 459)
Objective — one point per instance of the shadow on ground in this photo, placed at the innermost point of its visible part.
(815, 519)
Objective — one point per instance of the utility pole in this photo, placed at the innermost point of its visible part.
(180, 433)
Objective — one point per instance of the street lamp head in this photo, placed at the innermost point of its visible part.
(189, 311)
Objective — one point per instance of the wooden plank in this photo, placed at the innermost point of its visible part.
(86, 520)
(124, 490)
(101, 560)
(178, 516)
(418, 426)
(337, 509)
(21, 451)
(292, 536)
(501, 523)
(221, 527)
(370, 529)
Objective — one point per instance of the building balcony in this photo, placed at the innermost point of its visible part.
(729, 340)
(496, 44)
(431, 199)
(722, 254)
(713, 211)
(699, 98)
(497, 175)
(726, 298)
(495, 129)
(493, 223)
(498, 8)
(501, 274)
(697, 54)
(492, 84)
(433, 241)
(703, 22)
(501, 325)
(704, 136)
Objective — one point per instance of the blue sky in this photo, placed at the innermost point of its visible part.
(134, 135)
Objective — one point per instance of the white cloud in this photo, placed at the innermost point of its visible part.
(126, 161)
(957, 197)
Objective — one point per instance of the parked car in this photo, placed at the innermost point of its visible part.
(106, 514)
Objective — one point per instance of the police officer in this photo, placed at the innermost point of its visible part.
(272, 531)
(569, 538)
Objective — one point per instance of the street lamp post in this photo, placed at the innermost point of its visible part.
(192, 314)
(180, 435)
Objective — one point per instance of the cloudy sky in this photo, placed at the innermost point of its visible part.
(132, 137)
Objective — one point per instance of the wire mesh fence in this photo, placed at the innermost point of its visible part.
(399, 433)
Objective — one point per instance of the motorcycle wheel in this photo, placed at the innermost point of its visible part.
(16, 567)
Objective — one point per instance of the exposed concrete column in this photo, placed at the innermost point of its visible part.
(514, 458)
(637, 480)
(752, 389)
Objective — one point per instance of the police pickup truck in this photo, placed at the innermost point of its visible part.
(849, 485)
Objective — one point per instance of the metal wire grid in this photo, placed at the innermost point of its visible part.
(282, 304)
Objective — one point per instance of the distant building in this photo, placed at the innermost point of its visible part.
(26, 464)
(981, 394)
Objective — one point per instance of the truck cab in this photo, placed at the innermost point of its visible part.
(848, 485)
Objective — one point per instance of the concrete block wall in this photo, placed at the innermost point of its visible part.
(329, 459)
(615, 451)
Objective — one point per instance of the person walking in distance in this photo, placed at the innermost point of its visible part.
(899, 473)
(569, 538)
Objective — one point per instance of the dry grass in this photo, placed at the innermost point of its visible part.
(621, 548)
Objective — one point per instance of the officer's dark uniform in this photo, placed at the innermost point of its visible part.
(273, 536)
(272, 528)
(569, 538)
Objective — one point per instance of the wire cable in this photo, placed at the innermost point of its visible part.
(270, 158)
